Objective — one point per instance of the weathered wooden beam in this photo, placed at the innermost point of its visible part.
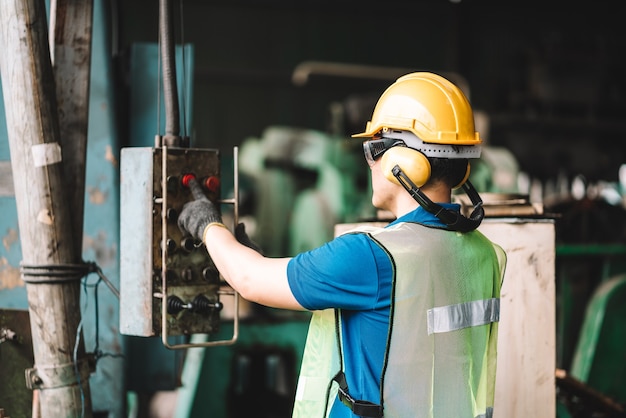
(6, 179)
(49, 254)
(71, 24)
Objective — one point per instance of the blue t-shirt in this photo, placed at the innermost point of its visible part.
(353, 273)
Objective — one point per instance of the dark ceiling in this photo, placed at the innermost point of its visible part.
(550, 75)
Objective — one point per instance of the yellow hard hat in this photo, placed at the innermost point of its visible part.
(429, 106)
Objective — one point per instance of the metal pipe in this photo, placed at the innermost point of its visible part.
(306, 69)
(170, 91)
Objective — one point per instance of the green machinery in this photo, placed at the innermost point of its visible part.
(592, 340)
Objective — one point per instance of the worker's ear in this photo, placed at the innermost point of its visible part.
(413, 164)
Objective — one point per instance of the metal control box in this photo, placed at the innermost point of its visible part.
(168, 283)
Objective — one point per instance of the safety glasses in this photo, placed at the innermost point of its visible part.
(374, 148)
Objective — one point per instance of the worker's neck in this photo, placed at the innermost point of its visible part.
(405, 203)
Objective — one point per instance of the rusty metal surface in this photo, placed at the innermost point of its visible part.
(16, 355)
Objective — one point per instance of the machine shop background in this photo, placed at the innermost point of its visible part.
(287, 83)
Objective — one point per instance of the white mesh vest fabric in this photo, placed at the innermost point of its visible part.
(447, 373)
(436, 374)
(320, 362)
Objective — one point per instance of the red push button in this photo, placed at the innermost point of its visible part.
(187, 178)
(212, 183)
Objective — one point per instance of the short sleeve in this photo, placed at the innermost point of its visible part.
(345, 273)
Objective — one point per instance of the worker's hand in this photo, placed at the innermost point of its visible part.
(243, 238)
(197, 214)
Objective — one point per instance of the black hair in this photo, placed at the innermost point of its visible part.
(449, 170)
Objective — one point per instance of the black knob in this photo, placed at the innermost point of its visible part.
(187, 274)
(171, 214)
(210, 274)
(170, 244)
(201, 304)
(188, 244)
(172, 184)
(175, 305)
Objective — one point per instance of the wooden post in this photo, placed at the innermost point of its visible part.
(71, 24)
(49, 254)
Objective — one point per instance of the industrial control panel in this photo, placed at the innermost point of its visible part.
(169, 285)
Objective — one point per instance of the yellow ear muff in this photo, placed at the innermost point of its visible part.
(467, 174)
(412, 163)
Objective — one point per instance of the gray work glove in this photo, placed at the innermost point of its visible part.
(244, 239)
(197, 214)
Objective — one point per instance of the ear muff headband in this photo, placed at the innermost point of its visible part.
(454, 221)
(413, 164)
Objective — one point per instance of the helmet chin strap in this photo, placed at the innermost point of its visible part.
(454, 221)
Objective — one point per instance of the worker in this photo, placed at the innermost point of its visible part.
(405, 316)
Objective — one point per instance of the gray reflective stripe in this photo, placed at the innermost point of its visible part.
(463, 315)
(487, 414)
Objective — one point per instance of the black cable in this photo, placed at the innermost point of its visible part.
(454, 221)
(93, 268)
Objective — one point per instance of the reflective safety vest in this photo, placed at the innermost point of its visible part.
(440, 357)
